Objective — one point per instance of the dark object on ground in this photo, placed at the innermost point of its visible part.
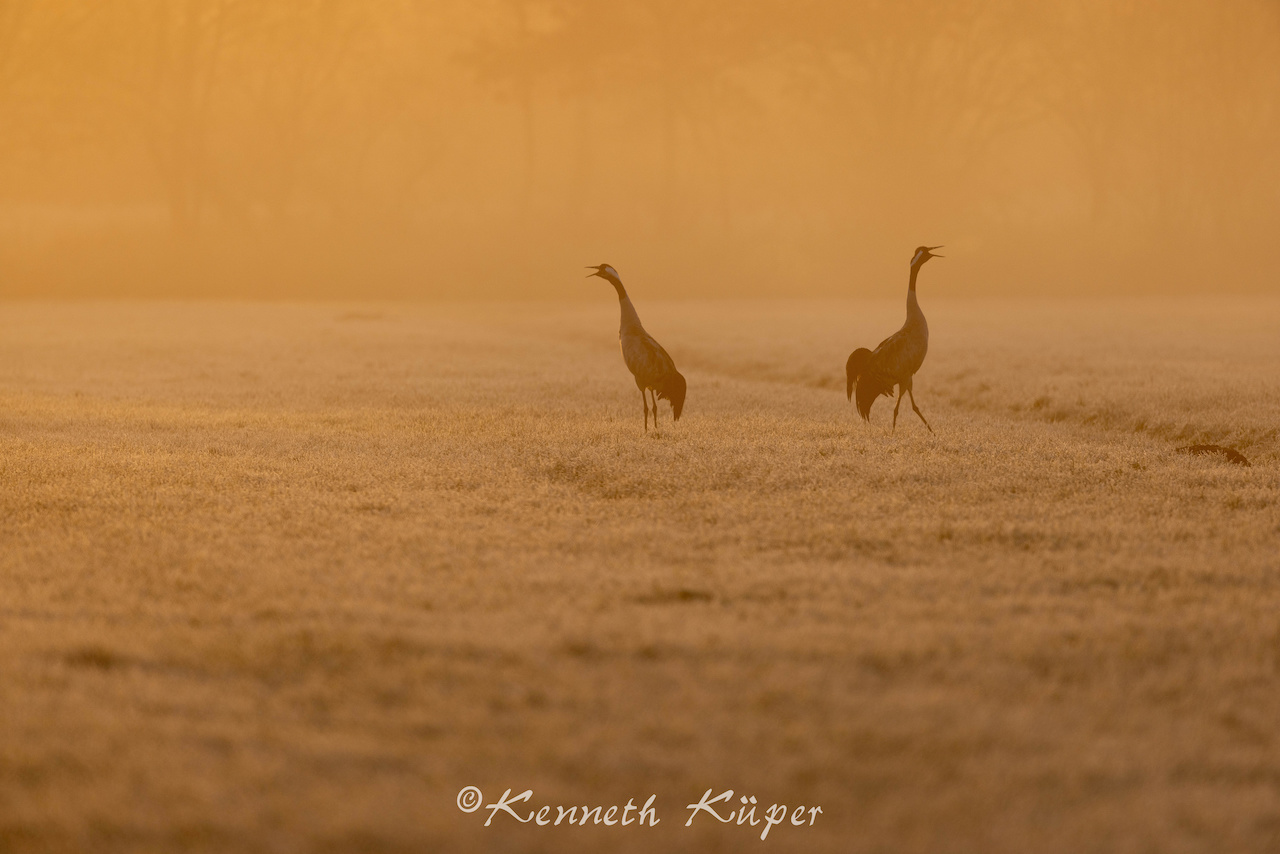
(1232, 455)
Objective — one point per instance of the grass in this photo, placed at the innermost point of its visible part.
(286, 578)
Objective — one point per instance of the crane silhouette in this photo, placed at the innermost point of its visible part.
(654, 370)
(896, 360)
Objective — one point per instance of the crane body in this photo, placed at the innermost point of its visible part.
(653, 368)
(897, 359)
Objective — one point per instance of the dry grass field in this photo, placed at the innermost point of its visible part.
(286, 578)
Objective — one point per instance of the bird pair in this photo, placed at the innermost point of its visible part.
(871, 372)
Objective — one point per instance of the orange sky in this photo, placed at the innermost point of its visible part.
(357, 149)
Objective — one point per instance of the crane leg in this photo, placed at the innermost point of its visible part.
(917, 409)
(895, 408)
(645, 400)
(654, 396)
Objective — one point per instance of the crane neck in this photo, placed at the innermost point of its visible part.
(629, 320)
(914, 314)
(617, 286)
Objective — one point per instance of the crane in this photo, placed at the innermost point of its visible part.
(654, 370)
(896, 360)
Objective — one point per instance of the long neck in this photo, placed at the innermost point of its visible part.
(913, 306)
(630, 320)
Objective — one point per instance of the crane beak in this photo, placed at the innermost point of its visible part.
(931, 248)
(596, 273)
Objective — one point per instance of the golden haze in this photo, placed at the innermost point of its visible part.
(489, 149)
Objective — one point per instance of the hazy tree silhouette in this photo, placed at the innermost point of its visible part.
(13, 19)
(763, 144)
(176, 83)
(672, 60)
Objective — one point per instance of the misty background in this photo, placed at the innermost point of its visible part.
(491, 148)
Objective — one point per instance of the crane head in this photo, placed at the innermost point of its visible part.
(604, 271)
(924, 253)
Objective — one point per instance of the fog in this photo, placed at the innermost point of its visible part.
(491, 148)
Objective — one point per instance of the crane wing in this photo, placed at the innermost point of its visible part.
(899, 356)
(871, 384)
(646, 359)
(895, 361)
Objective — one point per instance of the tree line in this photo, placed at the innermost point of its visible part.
(449, 141)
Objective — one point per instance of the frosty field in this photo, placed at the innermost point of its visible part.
(286, 578)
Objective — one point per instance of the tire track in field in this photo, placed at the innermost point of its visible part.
(969, 389)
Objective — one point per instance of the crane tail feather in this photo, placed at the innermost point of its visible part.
(673, 388)
(853, 369)
(870, 386)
